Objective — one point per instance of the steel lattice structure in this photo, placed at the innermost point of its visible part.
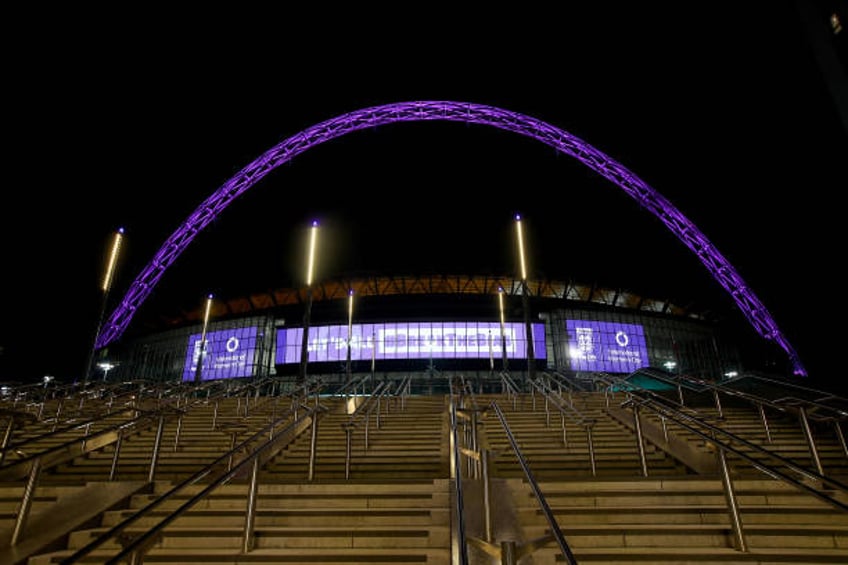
(720, 268)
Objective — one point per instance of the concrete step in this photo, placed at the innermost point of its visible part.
(298, 556)
(282, 537)
(284, 516)
(703, 535)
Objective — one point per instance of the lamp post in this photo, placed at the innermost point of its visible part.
(108, 277)
(198, 371)
(525, 301)
(307, 314)
(106, 366)
(503, 327)
(349, 330)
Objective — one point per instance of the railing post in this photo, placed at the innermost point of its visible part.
(115, 456)
(487, 504)
(367, 422)
(730, 497)
(348, 441)
(592, 450)
(85, 435)
(157, 443)
(475, 444)
(547, 413)
(58, 413)
(177, 434)
(664, 428)
(7, 437)
(233, 441)
(639, 440)
(509, 553)
(313, 445)
(249, 539)
(841, 437)
(564, 436)
(215, 415)
(764, 420)
(718, 404)
(26, 502)
(811, 442)
(680, 394)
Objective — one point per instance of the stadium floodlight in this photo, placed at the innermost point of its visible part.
(106, 366)
(520, 236)
(311, 263)
(349, 329)
(525, 300)
(105, 286)
(113, 259)
(202, 352)
(503, 327)
(307, 314)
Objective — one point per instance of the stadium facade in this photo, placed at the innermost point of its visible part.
(426, 324)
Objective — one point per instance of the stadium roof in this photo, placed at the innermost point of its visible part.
(338, 289)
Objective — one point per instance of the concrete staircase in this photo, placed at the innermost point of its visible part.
(540, 438)
(682, 520)
(409, 444)
(396, 505)
(394, 509)
(296, 523)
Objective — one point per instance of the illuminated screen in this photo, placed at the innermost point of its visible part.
(606, 346)
(228, 354)
(410, 340)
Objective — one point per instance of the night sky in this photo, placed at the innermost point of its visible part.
(722, 110)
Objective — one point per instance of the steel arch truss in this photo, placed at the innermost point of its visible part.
(469, 113)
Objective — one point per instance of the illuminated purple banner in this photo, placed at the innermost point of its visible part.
(228, 354)
(606, 346)
(410, 340)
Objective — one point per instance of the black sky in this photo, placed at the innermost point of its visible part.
(721, 108)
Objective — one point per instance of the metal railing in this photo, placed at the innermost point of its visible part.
(802, 408)
(567, 410)
(509, 552)
(134, 550)
(459, 544)
(724, 441)
(363, 412)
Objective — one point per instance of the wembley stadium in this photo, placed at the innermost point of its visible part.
(451, 418)
(423, 324)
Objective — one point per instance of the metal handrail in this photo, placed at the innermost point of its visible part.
(460, 551)
(150, 534)
(144, 416)
(564, 405)
(556, 532)
(823, 395)
(41, 437)
(692, 423)
(567, 409)
(782, 404)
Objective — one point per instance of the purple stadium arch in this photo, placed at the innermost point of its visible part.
(470, 113)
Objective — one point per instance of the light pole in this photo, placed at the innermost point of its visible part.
(349, 329)
(307, 314)
(106, 366)
(198, 371)
(105, 287)
(525, 301)
(503, 327)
